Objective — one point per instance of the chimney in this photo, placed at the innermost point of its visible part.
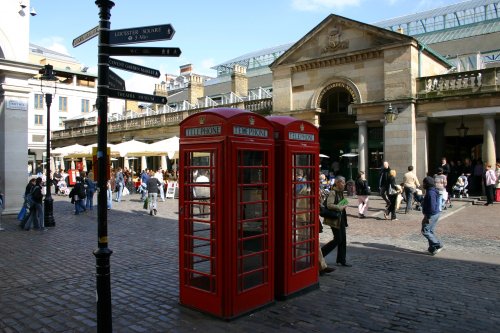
(239, 81)
(186, 69)
(401, 30)
(161, 89)
(195, 89)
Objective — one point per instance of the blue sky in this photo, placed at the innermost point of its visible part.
(207, 32)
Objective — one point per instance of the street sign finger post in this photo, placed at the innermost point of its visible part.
(112, 85)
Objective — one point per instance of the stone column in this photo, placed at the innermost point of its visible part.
(422, 163)
(126, 164)
(489, 129)
(14, 109)
(400, 140)
(362, 146)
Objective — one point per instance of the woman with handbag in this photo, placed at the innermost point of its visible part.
(393, 195)
(337, 221)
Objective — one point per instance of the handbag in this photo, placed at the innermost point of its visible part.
(328, 213)
(22, 213)
(391, 190)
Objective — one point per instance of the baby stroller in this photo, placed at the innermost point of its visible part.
(62, 188)
(418, 197)
(460, 190)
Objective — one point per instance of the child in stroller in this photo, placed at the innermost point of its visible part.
(418, 197)
(63, 188)
(460, 188)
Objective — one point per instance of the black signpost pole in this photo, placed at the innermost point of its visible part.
(103, 253)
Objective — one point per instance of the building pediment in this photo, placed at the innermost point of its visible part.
(337, 36)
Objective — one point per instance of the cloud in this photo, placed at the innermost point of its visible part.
(314, 5)
(141, 83)
(55, 44)
(206, 69)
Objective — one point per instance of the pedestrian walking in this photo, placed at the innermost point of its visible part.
(35, 218)
(153, 185)
(336, 202)
(383, 183)
(393, 193)
(440, 182)
(362, 191)
(410, 184)
(109, 195)
(490, 179)
(23, 217)
(90, 187)
(431, 211)
(119, 183)
(78, 195)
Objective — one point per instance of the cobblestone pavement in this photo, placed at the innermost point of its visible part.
(47, 279)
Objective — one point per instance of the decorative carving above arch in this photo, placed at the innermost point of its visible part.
(338, 82)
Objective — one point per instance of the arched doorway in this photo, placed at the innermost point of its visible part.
(338, 131)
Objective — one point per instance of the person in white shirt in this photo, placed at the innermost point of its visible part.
(490, 181)
(159, 175)
(411, 183)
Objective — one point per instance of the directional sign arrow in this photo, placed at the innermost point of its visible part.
(127, 66)
(137, 96)
(141, 34)
(145, 51)
(115, 81)
(86, 36)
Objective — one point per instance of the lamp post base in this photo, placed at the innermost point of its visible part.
(49, 211)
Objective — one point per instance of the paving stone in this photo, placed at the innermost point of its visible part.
(393, 286)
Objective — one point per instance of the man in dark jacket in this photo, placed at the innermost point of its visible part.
(36, 217)
(383, 183)
(431, 211)
(78, 195)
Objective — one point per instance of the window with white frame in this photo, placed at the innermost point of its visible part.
(38, 119)
(63, 104)
(85, 105)
(39, 101)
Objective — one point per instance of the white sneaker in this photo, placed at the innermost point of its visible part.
(436, 251)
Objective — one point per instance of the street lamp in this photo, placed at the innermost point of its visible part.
(462, 130)
(48, 81)
(391, 114)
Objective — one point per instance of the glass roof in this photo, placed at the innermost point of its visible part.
(459, 15)
(459, 33)
(253, 60)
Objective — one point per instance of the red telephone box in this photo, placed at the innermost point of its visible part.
(226, 212)
(297, 205)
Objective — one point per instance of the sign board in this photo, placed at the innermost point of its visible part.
(137, 96)
(145, 51)
(17, 104)
(86, 36)
(127, 66)
(141, 34)
(170, 193)
(115, 81)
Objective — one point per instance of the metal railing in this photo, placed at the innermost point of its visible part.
(262, 106)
